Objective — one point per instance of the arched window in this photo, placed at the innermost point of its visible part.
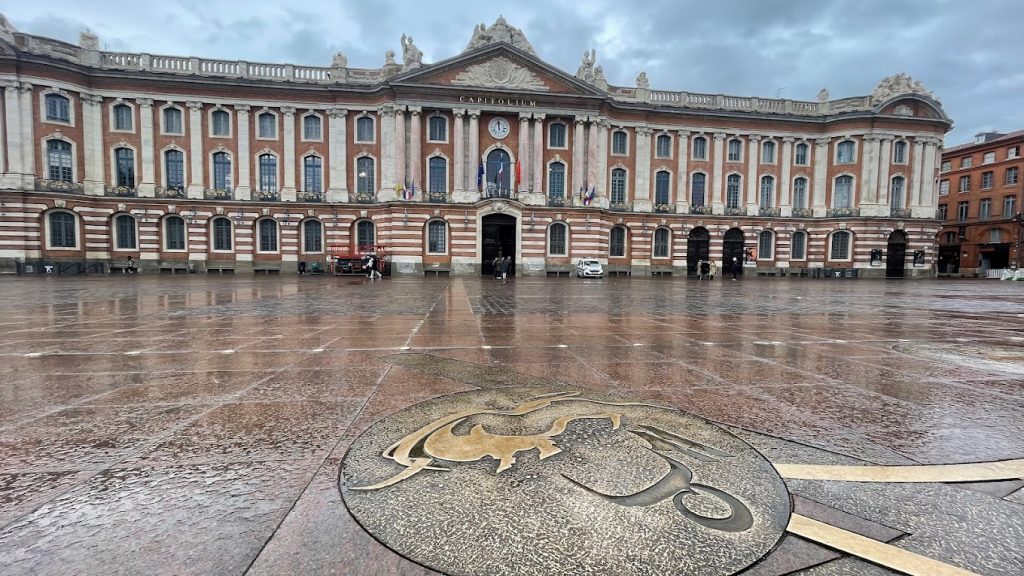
(172, 121)
(437, 129)
(800, 193)
(663, 146)
(313, 170)
(766, 245)
(364, 175)
(798, 247)
(267, 125)
(619, 139)
(767, 198)
(268, 173)
(896, 193)
(222, 234)
(661, 187)
(768, 152)
(617, 242)
(220, 123)
(840, 249)
(124, 229)
(437, 174)
(267, 232)
(845, 152)
(221, 171)
(556, 135)
(122, 117)
(63, 232)
(557, 234)
(58, 160)
(661, 238)
(364, 129)
(899, 152)
(732, 191)
(735, 150)
(437, 241)
(697, 183)
(311, 128)
(174, 233)
(618, 186)
(556, 180)
(125, 167)
(58, 108)
(365, 235)
(700, 148)
(842, 192)
(800, 157)
(174, 169)
(312, 236)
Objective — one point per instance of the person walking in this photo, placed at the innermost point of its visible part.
(497, 267)
(378, 268)
(705, 269)
(735, 267)
(712, 270)
(504, 268)
(700, 267)
(370, 262)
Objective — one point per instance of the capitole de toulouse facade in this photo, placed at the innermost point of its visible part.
(185, 163)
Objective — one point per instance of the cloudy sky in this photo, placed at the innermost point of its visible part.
(970, 53)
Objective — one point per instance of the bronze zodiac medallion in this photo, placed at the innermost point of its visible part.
(536, 481)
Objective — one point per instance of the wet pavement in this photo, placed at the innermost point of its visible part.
(194, 425)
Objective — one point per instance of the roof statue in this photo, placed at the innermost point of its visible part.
(642, 82)
(412, 57)
(898, 85)
(586, 70)
(339, 60)
(389, 58)
(7, 29)
(500, 31)
(823, 95)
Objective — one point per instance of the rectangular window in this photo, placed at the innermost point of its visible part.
(801, 154)
(222, 234)
(122, 117)
(800, 194)
(799, 247)
(314, 179)
(840, 246)
(965, 184)
(700, 149)
(267, 125)
(125, 233)
(961, 211)
(768, 153)
(556, 136)
(732, 191)
(966, 162)
(619, 142)
(1009, 206)
(435, 238)
(172, 121)
(1013, 152)
(312, 241)
(735, 150)
(946, 166)
(364, 129)
(845, 152)
(437, 129)
(986, 180)
(556, 243)
(765, 245)
(985, 212)
(221, 123)
(663, 147)
(1012, 175)
(175, 161)
(943, 211)
(311, 128)
(989, 158)
(58, 108)
(943, 187)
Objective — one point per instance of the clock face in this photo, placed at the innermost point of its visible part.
(499, 128)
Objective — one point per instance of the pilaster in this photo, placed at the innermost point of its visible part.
(524, 151)
(337, 147)
(869, 171)
(786, 180)
(401, 163)
(882, 199)
(577, 157)
(641, 183)
(288, 133)
(601, 197)
(195, 152)
(12, 107)
(147, 180)
(821, 162)
(718, 174)
(474, 154)
(682, 158)
(92, 144)
(28, 154)
(917, 158)
(459, 145)
(387, 151)
(929, 201)
(416, 150)
(243, 191)
(538, 154)
(753, 158)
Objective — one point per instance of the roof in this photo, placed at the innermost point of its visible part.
(1019, 134)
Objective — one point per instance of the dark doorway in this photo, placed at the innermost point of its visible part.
(949, 259)
(499, 241)
(498, 173)
(896, 254)
(732, 251)
(698, 247)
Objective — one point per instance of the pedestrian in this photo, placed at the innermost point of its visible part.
(705, 269)
(379, 269)
(497, 267)
(712, 270)
(370, 261)
(504, 268)
(131, 265)
(700, 264)
(735, 267)
(302, 268)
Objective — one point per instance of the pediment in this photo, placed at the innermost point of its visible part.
(497, 67)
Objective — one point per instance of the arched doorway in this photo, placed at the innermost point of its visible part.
(498, 241)
(896, 254)
(698, 247)
(498, 173)
(732, 251)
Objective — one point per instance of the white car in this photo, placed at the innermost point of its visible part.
(589, 269)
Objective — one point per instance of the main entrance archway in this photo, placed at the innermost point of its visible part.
(896, 254)
(732, 251)
(498, 241)
(698, 247)
(498, 174)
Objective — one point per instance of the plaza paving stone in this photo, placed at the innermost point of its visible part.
(197, 425)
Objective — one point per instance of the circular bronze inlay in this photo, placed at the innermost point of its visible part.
(536, 481)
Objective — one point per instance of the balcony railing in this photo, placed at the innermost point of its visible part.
(493, 191)
(665, 208)
(268, 195)
(842, 212)
(366, 197)
(170, 192)
(802, 212)
(310, 196)
(621, 206)
(43, 185)
(899, 213)
(218, 194)
(737, 211)
(556, 201)
(437, 197)
(769, 212)
(704, 209)
(120, 191)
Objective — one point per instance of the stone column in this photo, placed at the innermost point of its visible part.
(641, 183)
(785, 184)
(601, 198)
(869, 174)
(337, 147)
(147, 178)
(524, 151)
(592, 153)
(929, 203)
(915, 172)
(883, 175)
(288, 133)
(92, 144)
(821, 162)
(386, 191)
(577, 157)
(12, 107)
(28, 153)
(195, 152)
(717, 184)
(459, 146)
(753, 158)
(538, 154)
(243, 189)
(416, 150)
(401, 173)
(474, 154)
(682, 159)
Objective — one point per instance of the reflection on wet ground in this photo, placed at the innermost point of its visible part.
(196, 425)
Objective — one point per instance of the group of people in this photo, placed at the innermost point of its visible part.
(706, 269)
(373, 266)
(502, 266)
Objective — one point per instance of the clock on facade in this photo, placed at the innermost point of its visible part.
(499, 128)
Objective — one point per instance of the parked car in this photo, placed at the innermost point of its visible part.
(589, 268)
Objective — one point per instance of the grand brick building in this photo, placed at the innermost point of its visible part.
(980, 194)
(186, 163)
